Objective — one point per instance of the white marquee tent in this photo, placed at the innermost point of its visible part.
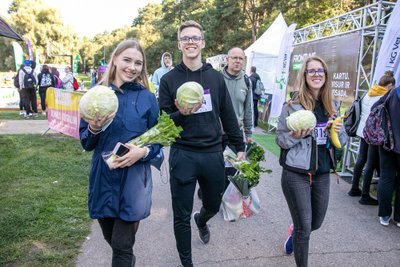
(263, 53)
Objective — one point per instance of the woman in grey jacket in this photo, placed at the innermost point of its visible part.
(307, 156)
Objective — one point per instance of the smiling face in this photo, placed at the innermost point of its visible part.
(128, 66)
(188, 44)
(315, 78)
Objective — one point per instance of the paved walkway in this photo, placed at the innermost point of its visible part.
(350, 236)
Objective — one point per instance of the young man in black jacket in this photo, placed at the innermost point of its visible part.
(197, 155)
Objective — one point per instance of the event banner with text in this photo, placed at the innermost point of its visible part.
(62, 111)
(341, 54)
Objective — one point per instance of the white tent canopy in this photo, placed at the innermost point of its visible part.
(263, 53)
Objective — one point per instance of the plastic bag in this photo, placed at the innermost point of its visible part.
(232, 204)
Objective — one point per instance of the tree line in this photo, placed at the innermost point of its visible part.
(227, 23)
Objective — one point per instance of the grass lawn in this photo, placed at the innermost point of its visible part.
(43, 204)
(14, 115)
(268, 142)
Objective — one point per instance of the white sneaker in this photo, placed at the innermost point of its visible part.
(22, 113)
(384, 220)
(44, 113)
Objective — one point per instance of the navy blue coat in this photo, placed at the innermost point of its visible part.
(123, 193)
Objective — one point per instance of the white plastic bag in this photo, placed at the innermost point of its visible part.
(251, 204)
(232, 204)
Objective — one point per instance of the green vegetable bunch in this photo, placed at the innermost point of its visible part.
(164, 132)
(249, 171)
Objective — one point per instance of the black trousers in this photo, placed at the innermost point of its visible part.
(120, 235)
(29, 100)
(186, 169)
(255, 111)
(42, 93)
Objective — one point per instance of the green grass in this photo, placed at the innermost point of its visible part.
(43, 203)
(14, 115)
(268, 142)
(85, 78)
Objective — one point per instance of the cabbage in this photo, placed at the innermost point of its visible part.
(100, 99)
(190, 93)
(301, 120)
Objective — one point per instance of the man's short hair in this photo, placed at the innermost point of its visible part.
(253, 69)
(190, 23)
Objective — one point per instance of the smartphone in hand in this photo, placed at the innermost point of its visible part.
(120, 149)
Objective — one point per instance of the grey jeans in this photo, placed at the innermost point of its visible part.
(307, 198)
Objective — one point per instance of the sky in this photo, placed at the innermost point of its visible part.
(92, 16)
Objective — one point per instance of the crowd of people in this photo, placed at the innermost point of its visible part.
(120, 198)
(229, 109)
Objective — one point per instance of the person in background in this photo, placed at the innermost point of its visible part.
(93, 78)
(22, 111)
(28, 82)
(120, 205)
(68, 80)
(254, 77)
(56, 75)
(368, 155)
(45, 80)
(197, 155)
(240, 91)
(307, 156)
(389, 180)
(166, 66)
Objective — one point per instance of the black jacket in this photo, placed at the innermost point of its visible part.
(201, 132)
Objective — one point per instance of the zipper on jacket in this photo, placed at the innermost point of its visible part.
(310, 178)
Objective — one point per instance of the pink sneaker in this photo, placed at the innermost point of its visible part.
(288, 246)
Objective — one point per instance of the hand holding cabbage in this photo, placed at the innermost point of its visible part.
(98, 107)
(189, 97)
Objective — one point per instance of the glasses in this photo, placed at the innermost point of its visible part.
(237, 58)
(312, 72)
(193, 39)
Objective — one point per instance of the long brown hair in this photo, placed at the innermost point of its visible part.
(109, 75)
(305, 96)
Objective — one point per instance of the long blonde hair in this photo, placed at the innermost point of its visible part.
(109, 75)
(305, 96)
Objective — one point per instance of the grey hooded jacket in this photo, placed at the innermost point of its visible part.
(300, 154)
(242, 100)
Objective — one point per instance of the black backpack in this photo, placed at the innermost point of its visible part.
(352, 117)
(29, 79)
(16, 80)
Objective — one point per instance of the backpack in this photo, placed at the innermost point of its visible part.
(75, 84)
(16, 80)
(259, 87)
(46, 80)
(378, 127)
(247, 81)
(352, 117)
(29, 79)
(57, 81)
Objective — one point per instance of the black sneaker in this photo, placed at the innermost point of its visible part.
(204, 232)
(367, 200)
(354, 192)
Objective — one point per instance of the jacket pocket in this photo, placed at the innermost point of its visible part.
(299, 156)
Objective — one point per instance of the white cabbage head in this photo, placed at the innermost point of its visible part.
(99, 99)
(190, 93)
(301, 120)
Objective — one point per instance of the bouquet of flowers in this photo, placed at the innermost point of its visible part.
(164, 132)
